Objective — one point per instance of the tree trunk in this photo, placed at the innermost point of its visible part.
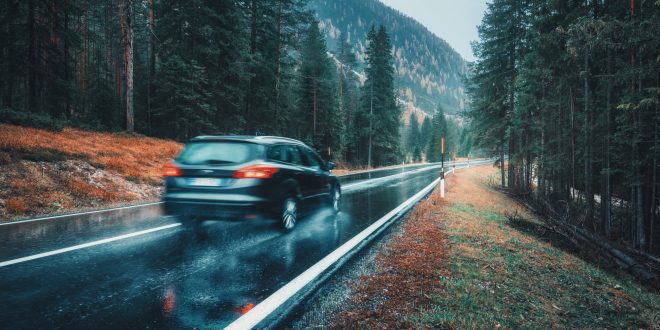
(511, 182)
(32, 57)
(253, 49)
(278, 63)
(125, 20)
(606, 194)
(572, 106)
(67, 75)
(314, 89)
(588, 173)
(654, 205)
(151, 90)
(502, 171)
(10, 55)
(371, 115)
(83, 61)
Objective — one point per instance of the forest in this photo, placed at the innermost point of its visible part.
(178, 69)
(568, 91)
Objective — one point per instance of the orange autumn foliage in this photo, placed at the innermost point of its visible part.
(130, 155)
(16, 205)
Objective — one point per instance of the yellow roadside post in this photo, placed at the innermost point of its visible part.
(442, 167)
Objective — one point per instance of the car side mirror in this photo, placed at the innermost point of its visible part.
(330, 166)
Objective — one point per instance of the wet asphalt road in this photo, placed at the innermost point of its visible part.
(170, 278)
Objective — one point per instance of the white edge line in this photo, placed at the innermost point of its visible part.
(390, 177)
(85, 245)
(274, 301)
(393, 176)
(81, 213)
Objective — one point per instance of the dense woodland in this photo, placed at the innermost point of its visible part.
(177, 69)
(568, 90)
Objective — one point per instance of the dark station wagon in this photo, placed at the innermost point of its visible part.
(244, 177)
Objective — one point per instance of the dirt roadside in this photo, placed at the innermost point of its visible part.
(461, 263)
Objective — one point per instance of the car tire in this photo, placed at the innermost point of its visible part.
(289, 213)
(335, 199)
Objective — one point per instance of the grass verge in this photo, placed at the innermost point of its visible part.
(490, 272)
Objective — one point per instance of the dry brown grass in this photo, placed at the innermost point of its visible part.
(16, 205)
(85, 189)
(42, 172)
(489, 272)
(407, 275)
(132, 156)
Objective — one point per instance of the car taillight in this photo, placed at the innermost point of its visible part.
(256, 172)
(171, 170)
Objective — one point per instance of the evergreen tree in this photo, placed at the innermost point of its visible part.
(348, 99)
(425, 135)
(274, 27)
(381, 114)
(578, 111)
(319, 123)
(433, 153)
(413, 139)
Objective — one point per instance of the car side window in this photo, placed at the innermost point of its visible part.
(294, 155)
(310, 159)
(278, 153)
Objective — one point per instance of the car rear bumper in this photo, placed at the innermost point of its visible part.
(219, 210)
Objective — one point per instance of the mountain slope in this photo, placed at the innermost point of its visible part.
(428, 70)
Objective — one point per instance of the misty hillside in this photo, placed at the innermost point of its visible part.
(429, 71)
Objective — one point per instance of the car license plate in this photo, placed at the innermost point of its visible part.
(206, 182)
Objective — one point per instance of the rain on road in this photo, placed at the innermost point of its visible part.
(168, 278)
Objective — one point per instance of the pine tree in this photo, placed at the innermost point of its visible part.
(319, 122)
(413, 139)
(439, 131)
(425, 135)
(348, 99)
(580, 118)
(380, 112)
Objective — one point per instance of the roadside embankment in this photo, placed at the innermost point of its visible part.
(45, 172)
(478, 259)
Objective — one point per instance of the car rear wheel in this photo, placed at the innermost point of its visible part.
(335, 199)
(289, 213)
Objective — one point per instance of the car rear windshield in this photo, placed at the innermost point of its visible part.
(218, 153)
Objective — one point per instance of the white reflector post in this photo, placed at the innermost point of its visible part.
(442, 188)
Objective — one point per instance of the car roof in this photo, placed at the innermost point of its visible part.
(247, 138)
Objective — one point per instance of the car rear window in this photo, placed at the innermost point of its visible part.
(218, 153)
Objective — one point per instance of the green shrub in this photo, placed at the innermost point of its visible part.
(45, 156)
(30, 119)
(5, 158)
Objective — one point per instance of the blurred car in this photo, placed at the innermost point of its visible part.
(243, 177)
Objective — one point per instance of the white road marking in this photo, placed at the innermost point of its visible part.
(86, 245)
(274, 301)
(389, 177)
(393, 176)
(81, 213)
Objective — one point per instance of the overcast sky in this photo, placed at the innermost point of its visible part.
(453, 20)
